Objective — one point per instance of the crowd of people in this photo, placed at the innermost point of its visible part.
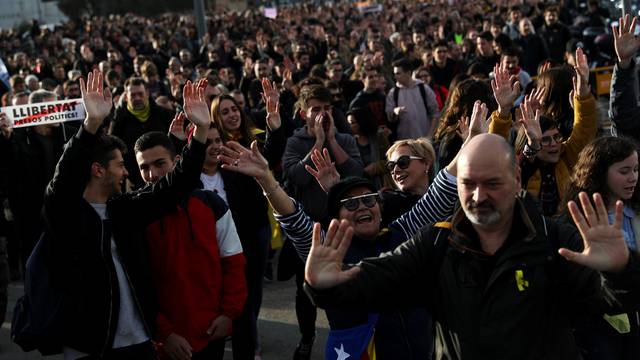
(468, 199)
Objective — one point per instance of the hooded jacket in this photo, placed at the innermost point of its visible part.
(301, 185)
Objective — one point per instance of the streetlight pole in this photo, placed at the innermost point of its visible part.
(626, 7)
(201, 24)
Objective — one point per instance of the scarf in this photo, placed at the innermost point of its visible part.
(141, 115)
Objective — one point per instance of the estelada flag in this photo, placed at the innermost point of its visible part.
(353, 343)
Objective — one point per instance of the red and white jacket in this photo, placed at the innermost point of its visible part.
(197, 268)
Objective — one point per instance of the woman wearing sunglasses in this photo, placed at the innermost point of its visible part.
(546, 157)
(398, 335)
(410, 165)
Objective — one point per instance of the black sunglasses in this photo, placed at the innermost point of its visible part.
(546, 140)
(402, 162)
(353, 203)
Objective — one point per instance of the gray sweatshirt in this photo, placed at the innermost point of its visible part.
(301, 185)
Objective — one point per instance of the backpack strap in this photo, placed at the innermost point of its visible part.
(423, 94)
(395, 95)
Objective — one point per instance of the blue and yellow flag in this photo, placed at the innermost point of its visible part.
(354, 343)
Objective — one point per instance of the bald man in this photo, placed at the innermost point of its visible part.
(500, 280)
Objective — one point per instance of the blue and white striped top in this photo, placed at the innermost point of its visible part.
(435, 205)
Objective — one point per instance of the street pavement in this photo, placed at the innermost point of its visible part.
(277, 326)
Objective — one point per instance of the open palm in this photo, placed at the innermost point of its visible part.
(531, 122)
(506, 89)
(195, 104)
(97, 99)
(581, 82)
(250, 162)
(604, 245)
(324, 267)
(325, 171)
(271, 98)
(625, 41)
(479, 124)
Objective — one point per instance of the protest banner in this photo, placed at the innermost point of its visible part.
(270, 12)
(45, 113)
(366, 7)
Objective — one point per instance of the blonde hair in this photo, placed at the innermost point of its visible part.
(419, 147)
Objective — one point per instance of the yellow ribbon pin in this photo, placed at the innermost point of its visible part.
(520, 281)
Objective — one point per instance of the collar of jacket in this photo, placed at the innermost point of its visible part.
(463, 239)
(414, 83)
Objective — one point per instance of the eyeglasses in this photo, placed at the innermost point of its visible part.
(402, 162)
(353, 203)
(546, 140)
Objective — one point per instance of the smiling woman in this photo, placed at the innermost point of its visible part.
(609, 166)
(411, 165)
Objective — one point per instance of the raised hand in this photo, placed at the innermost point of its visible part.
(479, 124)
(463, 127)
(626, 42)
(325, 171)
(195, 104)
(545, 66)
(581, 79)
(271, 98)
(536, 98)
(202, 84)
(287, 79)
(238, 158)
(531, 123)
(324, 263)
(604, 245)
(97, 100)
(177, 126)
(506, 89)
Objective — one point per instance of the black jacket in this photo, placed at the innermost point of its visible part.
(624, 111)
(29, 162)
(79, 255)
(518, 304)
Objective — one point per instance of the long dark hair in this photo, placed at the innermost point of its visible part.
(460, 103)
(558, 84)
(246, 126)
(364, 118)
(590, 172)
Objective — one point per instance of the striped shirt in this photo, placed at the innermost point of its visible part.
(435, 205)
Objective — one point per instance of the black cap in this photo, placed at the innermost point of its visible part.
(339, 190)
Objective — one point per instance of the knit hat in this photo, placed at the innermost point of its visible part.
(339, 190)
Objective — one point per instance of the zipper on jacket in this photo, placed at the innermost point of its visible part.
(102, 250)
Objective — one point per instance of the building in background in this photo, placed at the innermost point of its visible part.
(16, 12)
